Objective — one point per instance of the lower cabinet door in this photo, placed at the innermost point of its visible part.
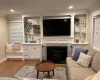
(26, 52)
(35, 52)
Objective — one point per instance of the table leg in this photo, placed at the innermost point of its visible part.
(37, 74)
(53, 72)
(48, 74)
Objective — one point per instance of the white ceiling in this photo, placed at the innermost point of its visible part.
(40, 6)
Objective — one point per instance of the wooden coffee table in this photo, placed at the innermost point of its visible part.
(45, 66)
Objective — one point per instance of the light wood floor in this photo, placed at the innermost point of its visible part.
(11, 67)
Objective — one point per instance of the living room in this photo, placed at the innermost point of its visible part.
(49, 40)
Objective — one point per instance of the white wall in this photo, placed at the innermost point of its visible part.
(4, 35)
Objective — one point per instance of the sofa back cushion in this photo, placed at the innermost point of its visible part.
(91, 51)
(96, 62)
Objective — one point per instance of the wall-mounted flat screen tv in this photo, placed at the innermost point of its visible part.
(56, 27)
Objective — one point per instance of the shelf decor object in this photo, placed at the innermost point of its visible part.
(80, 28)
(31, 28)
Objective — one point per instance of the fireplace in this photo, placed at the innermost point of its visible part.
(57, 54)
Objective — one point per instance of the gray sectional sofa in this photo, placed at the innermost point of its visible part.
(77, 72)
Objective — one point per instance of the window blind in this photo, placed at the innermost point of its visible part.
(16, 32)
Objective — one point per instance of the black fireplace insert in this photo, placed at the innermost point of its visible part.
(57, 54)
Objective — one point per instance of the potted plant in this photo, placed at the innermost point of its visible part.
(27, 28)
(76, 19)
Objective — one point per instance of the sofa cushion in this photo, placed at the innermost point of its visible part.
(77, 53)
(79, 73)
(96, 62)
(72, 63)
(91, 52)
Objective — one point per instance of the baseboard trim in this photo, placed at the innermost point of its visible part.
(2, 60)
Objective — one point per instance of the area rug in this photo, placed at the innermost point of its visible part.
(30, 72)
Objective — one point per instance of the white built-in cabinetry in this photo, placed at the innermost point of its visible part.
(32, 50)
(18, 35)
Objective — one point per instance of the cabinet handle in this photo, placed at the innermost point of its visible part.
(25, 49)
(34, 48)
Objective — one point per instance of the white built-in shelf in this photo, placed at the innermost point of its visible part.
(80, 29)
(80, 43)
(32, 43)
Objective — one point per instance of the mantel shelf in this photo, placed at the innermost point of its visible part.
(80, 43)
(32, 43)
(60, 37)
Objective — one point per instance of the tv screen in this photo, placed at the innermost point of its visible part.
(56, 27)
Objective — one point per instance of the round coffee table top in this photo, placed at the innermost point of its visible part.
(45, 66)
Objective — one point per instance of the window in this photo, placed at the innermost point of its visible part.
(96, 33)
(16, 32)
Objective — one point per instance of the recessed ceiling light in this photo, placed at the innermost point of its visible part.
(12, 10)
(70, 7)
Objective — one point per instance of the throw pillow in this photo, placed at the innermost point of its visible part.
(9, 47)
(90, 77)
(97, 76)
(84, 60)
(17, 47)
(77, 53)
